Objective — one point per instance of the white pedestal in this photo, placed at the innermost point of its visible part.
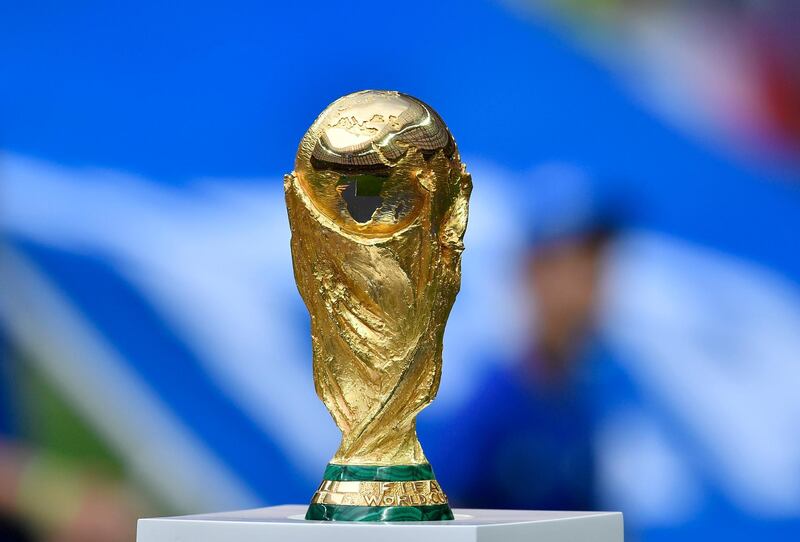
(286, 523)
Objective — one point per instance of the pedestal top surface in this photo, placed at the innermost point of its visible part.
(294, 513)
(287, 523)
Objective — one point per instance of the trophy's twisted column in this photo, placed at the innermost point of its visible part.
(378, 208)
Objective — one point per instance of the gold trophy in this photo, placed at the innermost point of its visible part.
(378, 207)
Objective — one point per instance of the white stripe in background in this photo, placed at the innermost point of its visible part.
(715, 340)
(212, 259)
(158, 449)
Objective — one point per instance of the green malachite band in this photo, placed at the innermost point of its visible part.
(335, 512)
(367, 473)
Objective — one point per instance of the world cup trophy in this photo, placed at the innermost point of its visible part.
(378, 206)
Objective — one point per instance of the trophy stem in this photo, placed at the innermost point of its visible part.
(379, 493)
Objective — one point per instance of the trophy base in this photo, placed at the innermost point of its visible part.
(332, 512)
(379, 493)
